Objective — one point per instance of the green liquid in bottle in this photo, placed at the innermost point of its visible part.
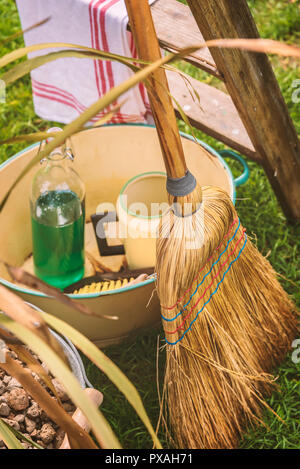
(58, 238)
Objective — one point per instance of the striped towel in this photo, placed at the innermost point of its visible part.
(66, 87)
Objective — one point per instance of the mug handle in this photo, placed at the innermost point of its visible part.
(243, 178)
(98, 221)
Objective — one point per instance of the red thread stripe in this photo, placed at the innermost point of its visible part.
(197, 302)
(199, 272)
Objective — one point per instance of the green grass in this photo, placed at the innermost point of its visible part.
(259, 212)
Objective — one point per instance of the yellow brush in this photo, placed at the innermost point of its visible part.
(108, 281)
(99, 287)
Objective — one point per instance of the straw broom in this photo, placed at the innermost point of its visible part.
(227, 320)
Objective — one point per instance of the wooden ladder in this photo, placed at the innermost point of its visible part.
(252, 118)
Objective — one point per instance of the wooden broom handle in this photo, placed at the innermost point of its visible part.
(96, 397)
(146, 42)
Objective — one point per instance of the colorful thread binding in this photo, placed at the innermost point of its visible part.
(189, 289)
(202, 296)
(200, 310)
(199, 284)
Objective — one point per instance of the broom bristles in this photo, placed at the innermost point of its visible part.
(227, 322)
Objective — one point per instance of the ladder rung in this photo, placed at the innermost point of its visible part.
(216, 114)
(176, 28)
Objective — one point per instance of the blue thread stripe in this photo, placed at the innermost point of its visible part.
(199, 284)
(200, 310)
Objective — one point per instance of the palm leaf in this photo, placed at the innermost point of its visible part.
(20, 436)
(19, 53)
(256, 45)
(26, 357)
(48, 404)
(107, 366)
(79, 122)
(20, 33)
(39, 136)
(57, 367)
(25, 67)
(21, 312)
(20, 275)
(8, 436)
(35, 137)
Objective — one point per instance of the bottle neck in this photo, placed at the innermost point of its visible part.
(57, 155)
(61, 155)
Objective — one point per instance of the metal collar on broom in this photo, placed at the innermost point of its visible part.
(239, 320)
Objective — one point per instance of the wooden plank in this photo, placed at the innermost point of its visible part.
(176, 28)
(216, 114)
(251, 82)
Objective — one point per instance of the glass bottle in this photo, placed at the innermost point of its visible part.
(58, 218)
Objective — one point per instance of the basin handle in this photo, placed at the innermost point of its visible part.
(243, 178)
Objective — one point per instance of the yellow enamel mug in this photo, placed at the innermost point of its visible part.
(140, 205)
